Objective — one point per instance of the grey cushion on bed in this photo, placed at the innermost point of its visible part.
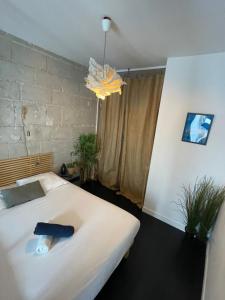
(21, 194)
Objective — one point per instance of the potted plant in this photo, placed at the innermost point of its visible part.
(71, 168)
(214, 200)
(85, 149)
(200, 206)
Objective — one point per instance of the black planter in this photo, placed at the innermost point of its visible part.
(189, 235)
(192, 241)
(200, 244)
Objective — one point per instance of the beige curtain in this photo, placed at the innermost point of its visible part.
(109, 137)
(126, 130)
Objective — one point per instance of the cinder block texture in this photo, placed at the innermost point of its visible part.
(58, 106)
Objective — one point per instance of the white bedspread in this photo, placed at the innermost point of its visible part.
(75, 268)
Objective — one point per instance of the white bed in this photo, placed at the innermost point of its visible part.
(75, 268)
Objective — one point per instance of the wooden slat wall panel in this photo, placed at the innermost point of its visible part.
(17, 168)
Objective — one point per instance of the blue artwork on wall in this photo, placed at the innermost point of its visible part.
(197, 128)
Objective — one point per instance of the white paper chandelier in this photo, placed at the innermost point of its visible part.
(103, 80)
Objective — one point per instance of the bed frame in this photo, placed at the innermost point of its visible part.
(17, 168)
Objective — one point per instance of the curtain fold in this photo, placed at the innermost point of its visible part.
(126, 130)
(109, 139)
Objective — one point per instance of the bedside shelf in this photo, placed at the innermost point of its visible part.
(72, 178)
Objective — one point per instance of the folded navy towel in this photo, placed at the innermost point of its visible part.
(55, 230)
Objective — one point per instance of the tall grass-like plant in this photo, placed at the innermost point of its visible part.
(210, 210)
(200, 206)
(192, 203)
(85, 149)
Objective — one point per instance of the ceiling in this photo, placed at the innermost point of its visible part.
(144, 33)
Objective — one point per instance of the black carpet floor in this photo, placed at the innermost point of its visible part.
(162, 265)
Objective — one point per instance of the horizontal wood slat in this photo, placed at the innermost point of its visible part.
(18, 168)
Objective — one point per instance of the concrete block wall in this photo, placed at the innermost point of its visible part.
(59, 107)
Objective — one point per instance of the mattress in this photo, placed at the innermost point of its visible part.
(74, 268)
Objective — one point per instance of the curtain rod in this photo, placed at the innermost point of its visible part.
(140, 69)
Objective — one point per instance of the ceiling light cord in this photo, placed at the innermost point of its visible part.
(104, 55)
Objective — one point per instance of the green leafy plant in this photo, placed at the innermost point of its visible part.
(85, 149)
(200, 206)
(71, 165)
(214, 199)
(191, 203)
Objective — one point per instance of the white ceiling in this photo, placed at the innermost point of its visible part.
(145, 32)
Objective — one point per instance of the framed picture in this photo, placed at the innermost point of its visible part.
(197, 128)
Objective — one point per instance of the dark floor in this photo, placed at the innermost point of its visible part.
(162, 265)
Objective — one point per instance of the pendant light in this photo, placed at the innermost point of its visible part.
(103, 80)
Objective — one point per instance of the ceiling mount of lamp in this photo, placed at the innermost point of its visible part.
(106, 23)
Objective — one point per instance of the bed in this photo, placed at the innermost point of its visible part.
(74, 268)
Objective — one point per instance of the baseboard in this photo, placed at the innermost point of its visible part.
(162, 218)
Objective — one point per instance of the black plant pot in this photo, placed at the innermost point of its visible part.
(200, 244)
(192, 241)
(189, 235)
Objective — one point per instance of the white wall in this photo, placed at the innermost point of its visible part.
(192, 84)
(214, 287)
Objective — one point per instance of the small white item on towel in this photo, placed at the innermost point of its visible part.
(43, 244)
